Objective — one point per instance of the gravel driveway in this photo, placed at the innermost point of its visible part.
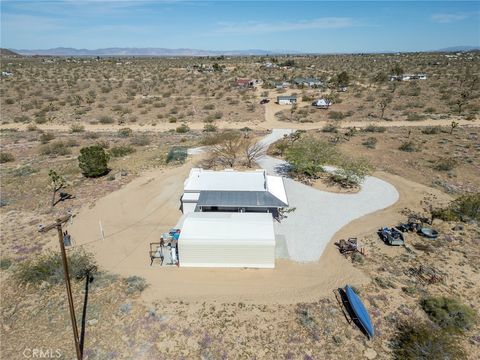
(319, 214)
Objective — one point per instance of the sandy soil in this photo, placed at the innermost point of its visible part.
(138, 213)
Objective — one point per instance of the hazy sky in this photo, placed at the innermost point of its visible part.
(310, 26)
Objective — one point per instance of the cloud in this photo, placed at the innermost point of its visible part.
(448, 18)
(266, 27)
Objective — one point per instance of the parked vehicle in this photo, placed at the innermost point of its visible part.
(264, 101)
(391, 236)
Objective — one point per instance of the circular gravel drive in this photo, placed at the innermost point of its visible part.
(319, 214)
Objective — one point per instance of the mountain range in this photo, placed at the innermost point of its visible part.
(61, 51)
(117, 51)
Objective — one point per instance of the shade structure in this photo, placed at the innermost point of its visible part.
(216, 239)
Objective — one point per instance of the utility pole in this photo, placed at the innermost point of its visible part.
(58, 226)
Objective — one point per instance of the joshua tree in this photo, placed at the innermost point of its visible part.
(453, 125)
(385, 100)
(57, 183)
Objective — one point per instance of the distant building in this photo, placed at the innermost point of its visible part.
(309, 81)
(245, 83)
(322, 103)
(286, 100)
(407, 77)
(7, 73)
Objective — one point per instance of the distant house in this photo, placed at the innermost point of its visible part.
(322, 103)
(407, 77)
(286, 100)
(309, 81)
(245, 83)
(7, 73)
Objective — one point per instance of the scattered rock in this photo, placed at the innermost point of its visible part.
(370, 354)
(458, 227)
(337, 339)
(126, 308)
(92, 322)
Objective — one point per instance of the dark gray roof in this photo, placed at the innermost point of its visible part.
(287, 97)
(239, 199)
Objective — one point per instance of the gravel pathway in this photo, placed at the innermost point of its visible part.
(319, 214)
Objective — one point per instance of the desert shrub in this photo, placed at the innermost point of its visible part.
(91, 135)
(464, 208)
(122, 150)
(176, 154)
(93, 161)
(48, 267)
(449, 313)
(307, 156)
(104, 119)
(182, 129)
(141, 140)
(423, 341)
(135, 284)
(218, 115)
(358, 258)
(6, 157)
(57, 148)
(351, 172)
(209, 128)
(408, 146)
(375, 129)
(431, 130)
(32, 127)
(411, 116)
(306, 319)
(370, 142)
(24, 171)
(21, 119)
(46, 137)
(336, 115)
(76, 128)
(330, 128)
(5, 263)
(124, 132)
(208, 107)
(445, 164)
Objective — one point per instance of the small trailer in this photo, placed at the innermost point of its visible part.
(391, 236)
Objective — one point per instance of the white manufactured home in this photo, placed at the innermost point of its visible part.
(286, 100)
(233, 191)
(227, 240)
(228, 218)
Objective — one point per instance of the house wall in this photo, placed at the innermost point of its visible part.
(226, 255)
(234, 209)
(284, 102)
(188, 207)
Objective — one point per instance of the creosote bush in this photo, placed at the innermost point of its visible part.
(122, 150)
(135, 284)
(176, 154)
(445, 164)
(408, 146)
(423, 341)
(375, 129)
(6, 157)
(48, 267)
(449, 313)
(182, 129)
(466, 207)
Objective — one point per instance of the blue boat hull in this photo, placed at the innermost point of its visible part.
(360, 311)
